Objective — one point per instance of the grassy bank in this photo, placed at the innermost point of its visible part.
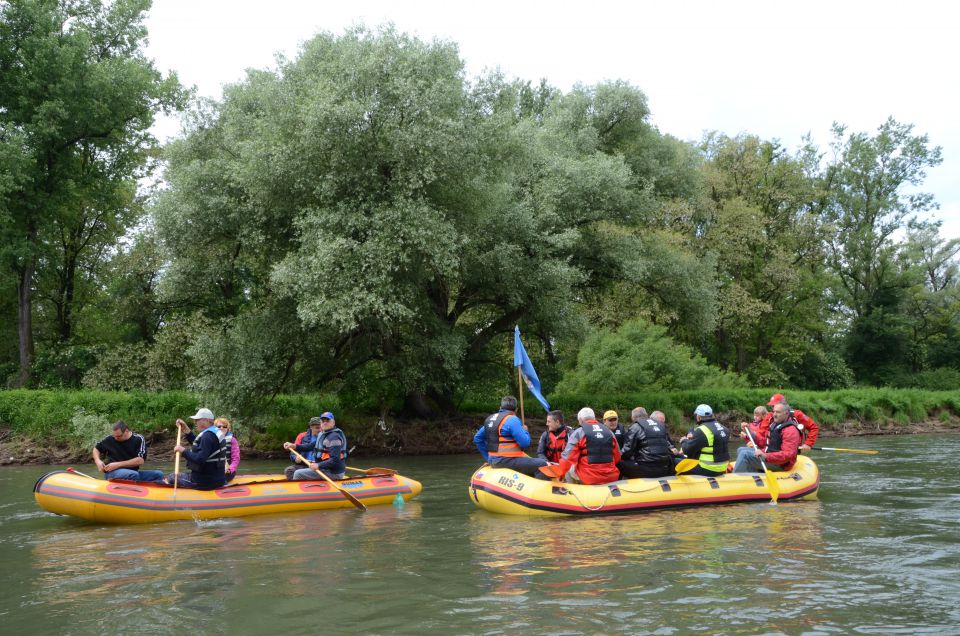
(72, 421)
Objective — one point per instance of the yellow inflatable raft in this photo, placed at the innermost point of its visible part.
(511, 493)
(68, 493)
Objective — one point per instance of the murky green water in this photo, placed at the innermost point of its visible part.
(878, 554)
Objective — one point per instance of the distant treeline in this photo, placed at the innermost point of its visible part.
(366, 221)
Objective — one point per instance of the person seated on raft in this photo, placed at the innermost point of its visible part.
(304, 444)
(554, 439)
(647, 451)
(809, 429)
(780, 450)
(330, 451)
(502, 438)
(125, 451)
(206, 457)
(591, 454)
(226, 429)
(612, 420)
(708, 443)
(759, 415)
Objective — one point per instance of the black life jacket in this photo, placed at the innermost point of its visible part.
(653, 444)
(775, 434)
(600, 441)
(620, 434)
(715, 455)
(555, 443)
(215, 464)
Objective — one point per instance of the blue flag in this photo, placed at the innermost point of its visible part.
(522, 360)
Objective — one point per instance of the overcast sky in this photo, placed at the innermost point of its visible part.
(770, 68)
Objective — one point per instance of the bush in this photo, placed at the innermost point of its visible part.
(64, 366)
(941, 379)
(88, 428)
(640, 356)
(764, 372)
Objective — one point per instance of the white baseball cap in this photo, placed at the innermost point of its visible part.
(203, 414)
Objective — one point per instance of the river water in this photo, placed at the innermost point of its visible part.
(879, 553)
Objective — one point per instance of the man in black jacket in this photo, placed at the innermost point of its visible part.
(647, 451)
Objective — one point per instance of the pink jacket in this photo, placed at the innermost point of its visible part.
(234, 455)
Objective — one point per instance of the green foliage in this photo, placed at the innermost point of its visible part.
(63, 366)
(162, 366)
(639, 355)
(49, 413)
(942, 379)
(88, 428)
(363, 206)
(765, 372)
(365, 220)
(77, 100)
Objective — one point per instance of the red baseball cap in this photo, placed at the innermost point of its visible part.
(777, 398)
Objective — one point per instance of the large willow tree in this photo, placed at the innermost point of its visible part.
(364, 213)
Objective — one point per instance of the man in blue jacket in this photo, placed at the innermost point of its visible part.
(304, 445)
(206, 457)
(329, 452)
(503, 437)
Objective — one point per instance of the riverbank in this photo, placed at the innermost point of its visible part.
(395, 437)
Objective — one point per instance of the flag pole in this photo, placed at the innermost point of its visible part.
(520, 386)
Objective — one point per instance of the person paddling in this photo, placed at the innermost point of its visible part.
(330, 452)
(304, 445)
(782, 445)
(206, 457)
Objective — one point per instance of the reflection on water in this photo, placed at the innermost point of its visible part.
(877, 554)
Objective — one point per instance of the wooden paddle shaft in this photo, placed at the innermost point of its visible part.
(176, 464)
(356, 502)
(772, 484)
(374, 471)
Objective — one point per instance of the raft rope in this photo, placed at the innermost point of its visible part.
(609, 492)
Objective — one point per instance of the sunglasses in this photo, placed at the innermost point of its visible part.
(222, 426)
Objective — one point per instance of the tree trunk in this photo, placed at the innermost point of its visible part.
(416, 404)
(25, 318)
(69, 285)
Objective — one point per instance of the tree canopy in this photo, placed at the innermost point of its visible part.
(364, 218)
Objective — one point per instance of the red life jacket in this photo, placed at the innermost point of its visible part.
(556, 442)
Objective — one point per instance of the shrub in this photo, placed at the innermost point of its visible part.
(88, 428)
(942, 379)
(640, 355)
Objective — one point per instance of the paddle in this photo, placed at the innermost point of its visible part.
(552, 470)
(77, 472)
(176, 464)
(846, 450)
(772, 483)
(686, 464)
(374, 471)
(356, 502)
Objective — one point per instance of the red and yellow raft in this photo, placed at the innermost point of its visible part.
(67, 493)
(508, 492)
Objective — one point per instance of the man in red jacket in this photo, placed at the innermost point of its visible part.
(591, 454)
(781, 446)
(810, 429)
